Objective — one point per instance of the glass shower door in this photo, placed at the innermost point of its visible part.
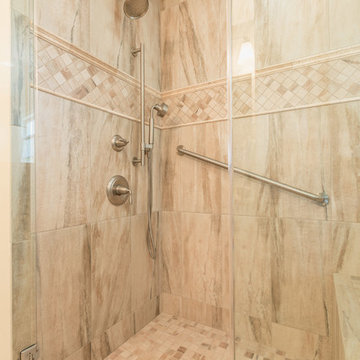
(22, 193)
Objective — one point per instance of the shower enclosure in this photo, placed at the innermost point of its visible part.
(185, 179)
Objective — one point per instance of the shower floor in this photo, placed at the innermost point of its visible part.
(171, 338)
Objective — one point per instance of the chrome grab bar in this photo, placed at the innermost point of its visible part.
(322, 198)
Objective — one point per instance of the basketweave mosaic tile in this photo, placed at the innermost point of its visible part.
(171, 338)
(68, 75)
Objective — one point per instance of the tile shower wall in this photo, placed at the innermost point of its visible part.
(96, 283)
(195, 220)
(287, 248)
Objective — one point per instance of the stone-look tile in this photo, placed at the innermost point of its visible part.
(170, 304)
(110, 273)
(343, 19)
(113, 35)
(348, 301)
(252, 271)
(251, 197)
(344, 139)
(24, 296)
(74, 23)
(296, 275)
(191, 43)
(62, 164)
(167, 337)
(106, 163)
(204, 187)
(112, 338)
(63, 281)
(206, 253)
(171, 253)
(144, 270)
(146, 313)
(83, 354)
(297, 158)
(308, 36)
(296, 343)
(170, 170)
(214, 316)
(341, 248)
(148, 32)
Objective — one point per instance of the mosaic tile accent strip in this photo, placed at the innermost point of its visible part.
(68, 75)
(171, 338)
(196, 106)
(318, 83)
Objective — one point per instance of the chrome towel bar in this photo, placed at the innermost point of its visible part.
(322, 198)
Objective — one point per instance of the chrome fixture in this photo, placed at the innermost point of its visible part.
(134, 52)
(118, 143)
(322, 198)
(135, 9)
(162, 110)
(118, 190)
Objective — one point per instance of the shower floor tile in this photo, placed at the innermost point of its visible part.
(171, 338)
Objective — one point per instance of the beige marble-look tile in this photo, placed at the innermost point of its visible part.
(348, 301)
(296, 343)
(112, 338)
(298, 158)
(63, 295)
(83, 354)
(251, 151)
(113, 35)
(62, 164)
(106, 163)
(74, 23)
(146, 313)
(252, 267)
(23, 295)
(204, 188)
(110, 273)
(296, 275)
(170, 304)
(306, 34)
(344, 17)
(144, 270)
(206, 263)
(170, 170)
(171, 253)
(344, 138)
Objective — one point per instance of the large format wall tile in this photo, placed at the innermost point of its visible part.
(252, 276)
(62, 164)
(296, 275)
(192, 43)
(74, 23)
(63, 295)
(144, 270)
(110, 273)
(308, 30)
(344, 137)
(206, 254)
(106, 163)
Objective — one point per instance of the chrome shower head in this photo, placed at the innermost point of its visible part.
(135, 9)
(161, 109)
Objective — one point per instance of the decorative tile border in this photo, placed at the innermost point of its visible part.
(67, 71)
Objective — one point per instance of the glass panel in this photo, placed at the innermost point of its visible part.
(295, 104)
(23, 248)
